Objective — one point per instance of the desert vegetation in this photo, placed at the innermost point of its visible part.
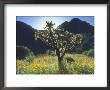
(63, 50)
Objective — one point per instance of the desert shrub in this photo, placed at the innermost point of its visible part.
(24, 53)
(69, 59)
(51, 52)
(89, 53)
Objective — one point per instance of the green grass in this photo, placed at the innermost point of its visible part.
(47, 64)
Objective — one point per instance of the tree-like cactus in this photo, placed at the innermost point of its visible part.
(59, 40)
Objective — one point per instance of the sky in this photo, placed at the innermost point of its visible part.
(39, 22)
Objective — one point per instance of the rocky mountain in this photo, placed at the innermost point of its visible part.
(77, 26)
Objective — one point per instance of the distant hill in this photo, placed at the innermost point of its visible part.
(24, 33)
(25, 37)
(77, 26)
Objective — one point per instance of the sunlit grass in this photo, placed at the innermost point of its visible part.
(47, 64)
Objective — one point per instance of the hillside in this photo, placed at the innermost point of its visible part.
(77, 26)
(25, 37)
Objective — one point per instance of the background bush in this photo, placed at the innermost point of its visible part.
(51, 52)
(69, 59)
(24, 53)
(89, 53)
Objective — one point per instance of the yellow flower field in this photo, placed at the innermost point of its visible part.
(47, 64)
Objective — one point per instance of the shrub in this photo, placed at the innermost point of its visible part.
(89, 53)
(24, 53)
(69, 59)
(51, 52)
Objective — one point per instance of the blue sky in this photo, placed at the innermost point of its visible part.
(39, 22)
